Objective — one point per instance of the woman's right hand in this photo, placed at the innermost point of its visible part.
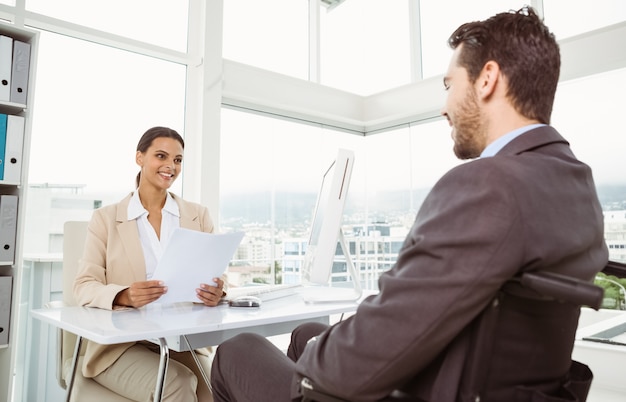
(140, 293)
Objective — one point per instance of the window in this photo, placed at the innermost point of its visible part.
(586, 15)
(91, 110)
(388, 177)
(585, 112)
(591, 126)
(273, 197)
(365, 46)
(159, 22)
(440, 18)
(270, 35)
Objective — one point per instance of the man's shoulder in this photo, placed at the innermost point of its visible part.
(478, 170)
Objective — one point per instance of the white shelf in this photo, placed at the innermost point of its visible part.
(9, 361)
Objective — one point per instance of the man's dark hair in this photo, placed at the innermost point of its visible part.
(526, 52)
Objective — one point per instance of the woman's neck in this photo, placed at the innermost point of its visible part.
(152, 199)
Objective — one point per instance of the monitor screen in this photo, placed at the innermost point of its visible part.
(326, 224)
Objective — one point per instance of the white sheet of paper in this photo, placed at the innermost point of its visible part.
(191, 258)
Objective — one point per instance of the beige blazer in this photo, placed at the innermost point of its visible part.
(112, 260)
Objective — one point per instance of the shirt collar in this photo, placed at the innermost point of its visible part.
(135, 209)
(495, 147)
(171, 206)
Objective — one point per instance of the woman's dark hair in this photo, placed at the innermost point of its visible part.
(149, 136)
(525, 50)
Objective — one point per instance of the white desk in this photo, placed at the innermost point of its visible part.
(605, 360)
(202, 326)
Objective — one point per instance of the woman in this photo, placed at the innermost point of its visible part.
(123, 245)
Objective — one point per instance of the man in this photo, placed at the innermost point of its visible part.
(526, 204)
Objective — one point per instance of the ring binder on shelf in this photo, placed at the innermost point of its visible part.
(14, 143)
(6, 56)
(19, 72)
(4, 122)
(5, 308)
(8, 227)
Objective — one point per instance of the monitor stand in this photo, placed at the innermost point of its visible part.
(312, 293)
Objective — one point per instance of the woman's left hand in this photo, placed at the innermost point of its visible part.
(210, 295)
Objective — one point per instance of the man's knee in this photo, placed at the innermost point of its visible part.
(238, 345)
(234, 351)
(229, 355)
(308, 330)
(301, 335)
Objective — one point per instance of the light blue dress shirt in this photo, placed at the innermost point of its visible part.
(498, 144)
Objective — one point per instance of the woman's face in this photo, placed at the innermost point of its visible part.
(161, 163)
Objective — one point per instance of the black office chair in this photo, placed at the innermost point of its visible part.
(615, 268)
(544, 292)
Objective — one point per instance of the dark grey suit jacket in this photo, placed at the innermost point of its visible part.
(533, 206)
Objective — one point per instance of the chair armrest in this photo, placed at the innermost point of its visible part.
(54, 304)
(311, 393)
(564, 288)
(615, 268)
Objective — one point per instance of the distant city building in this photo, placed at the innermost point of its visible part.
(372, 251)
(615, 234)
(292, 259)
(49, 206)
(243, 275)
(266, 255)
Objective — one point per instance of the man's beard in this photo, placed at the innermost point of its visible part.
(469, 138)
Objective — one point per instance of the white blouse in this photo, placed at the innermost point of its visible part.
(153, 246)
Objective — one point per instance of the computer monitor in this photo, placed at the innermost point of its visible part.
(326, 225)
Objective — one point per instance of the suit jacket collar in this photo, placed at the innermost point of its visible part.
(535, 138)
(188, 214)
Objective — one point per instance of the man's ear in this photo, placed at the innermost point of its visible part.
(488, 79)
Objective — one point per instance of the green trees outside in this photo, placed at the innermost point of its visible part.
(614, 291)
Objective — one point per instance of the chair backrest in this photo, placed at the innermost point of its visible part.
(543, 301)
(538, 309)
(74, 233)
